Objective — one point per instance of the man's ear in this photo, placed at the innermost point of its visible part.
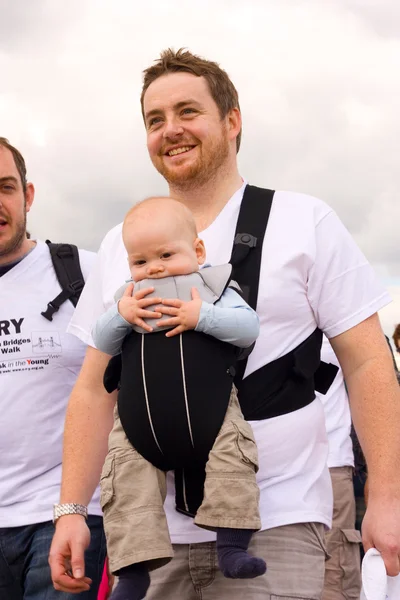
(200, 250)
(234, 123)
(29, 196)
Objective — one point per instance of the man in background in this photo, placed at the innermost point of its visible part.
(39, 363)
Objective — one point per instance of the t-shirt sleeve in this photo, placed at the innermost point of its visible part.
(110, 331)
(343, 289)
(90, 305)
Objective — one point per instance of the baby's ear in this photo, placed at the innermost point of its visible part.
(200, 250)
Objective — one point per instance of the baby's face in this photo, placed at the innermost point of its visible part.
(162, 250)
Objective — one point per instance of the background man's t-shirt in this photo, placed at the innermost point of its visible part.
(39, 363)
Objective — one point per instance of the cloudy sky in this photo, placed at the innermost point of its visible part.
(319, 84)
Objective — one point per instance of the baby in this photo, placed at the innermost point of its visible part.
(162, 415)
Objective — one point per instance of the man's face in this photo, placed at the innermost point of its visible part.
(187, 140)
(13, 206)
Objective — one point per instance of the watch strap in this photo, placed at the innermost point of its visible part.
(70, 508)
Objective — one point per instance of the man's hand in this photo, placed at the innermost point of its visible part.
(381, 530)
(66, 558)
(366, 491)
(133, 308)
(184, 315)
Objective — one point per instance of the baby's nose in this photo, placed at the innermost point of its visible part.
(155, 268)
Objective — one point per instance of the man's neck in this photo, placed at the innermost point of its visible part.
(19, 253)
(206, 201)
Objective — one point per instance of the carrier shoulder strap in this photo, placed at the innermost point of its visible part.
(65, 258)
(249, 237)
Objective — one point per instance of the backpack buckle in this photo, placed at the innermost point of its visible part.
(50, 310)
(246, 239)
(72, 291)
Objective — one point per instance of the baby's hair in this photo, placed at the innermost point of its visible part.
(182, 212)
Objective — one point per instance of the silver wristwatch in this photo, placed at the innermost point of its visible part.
(59, 510)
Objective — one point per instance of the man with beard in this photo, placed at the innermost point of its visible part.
(38, 367)
(312, 278)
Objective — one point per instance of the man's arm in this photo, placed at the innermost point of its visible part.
(89, 421)
(375, 405)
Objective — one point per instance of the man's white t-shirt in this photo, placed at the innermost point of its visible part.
(337, 415)
(312, 275)
(39, 363)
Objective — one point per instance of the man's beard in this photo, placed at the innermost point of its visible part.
(202, 171)
(17, 238)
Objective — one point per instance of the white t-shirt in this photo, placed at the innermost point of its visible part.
(312, 274)
(337, 415)
(39, 363)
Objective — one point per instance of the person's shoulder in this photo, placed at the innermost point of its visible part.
(300, 205)
(41, 246)
(86, 255)
(112, 238)
(110, 242)
(87, 259)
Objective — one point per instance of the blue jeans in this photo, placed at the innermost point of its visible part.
(24, 567)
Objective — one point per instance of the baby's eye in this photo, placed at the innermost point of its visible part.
(166, 255)
(137, 263)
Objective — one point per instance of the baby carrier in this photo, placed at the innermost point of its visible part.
(174, 392)
(183, 426)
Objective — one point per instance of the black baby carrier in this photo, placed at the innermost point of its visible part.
(174, 392)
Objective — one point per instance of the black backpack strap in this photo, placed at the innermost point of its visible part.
(249, 236)
(67, 267)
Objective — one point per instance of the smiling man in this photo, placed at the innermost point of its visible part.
(38, 367)
(313, 278)
(13, 214)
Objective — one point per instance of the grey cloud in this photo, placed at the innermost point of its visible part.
(28, 27)
(382, 17)
(319, 94)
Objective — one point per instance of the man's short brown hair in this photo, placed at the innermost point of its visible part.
(221, 87)
(18, 159)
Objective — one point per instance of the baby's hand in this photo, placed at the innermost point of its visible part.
(184, 315)
(132, 308)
